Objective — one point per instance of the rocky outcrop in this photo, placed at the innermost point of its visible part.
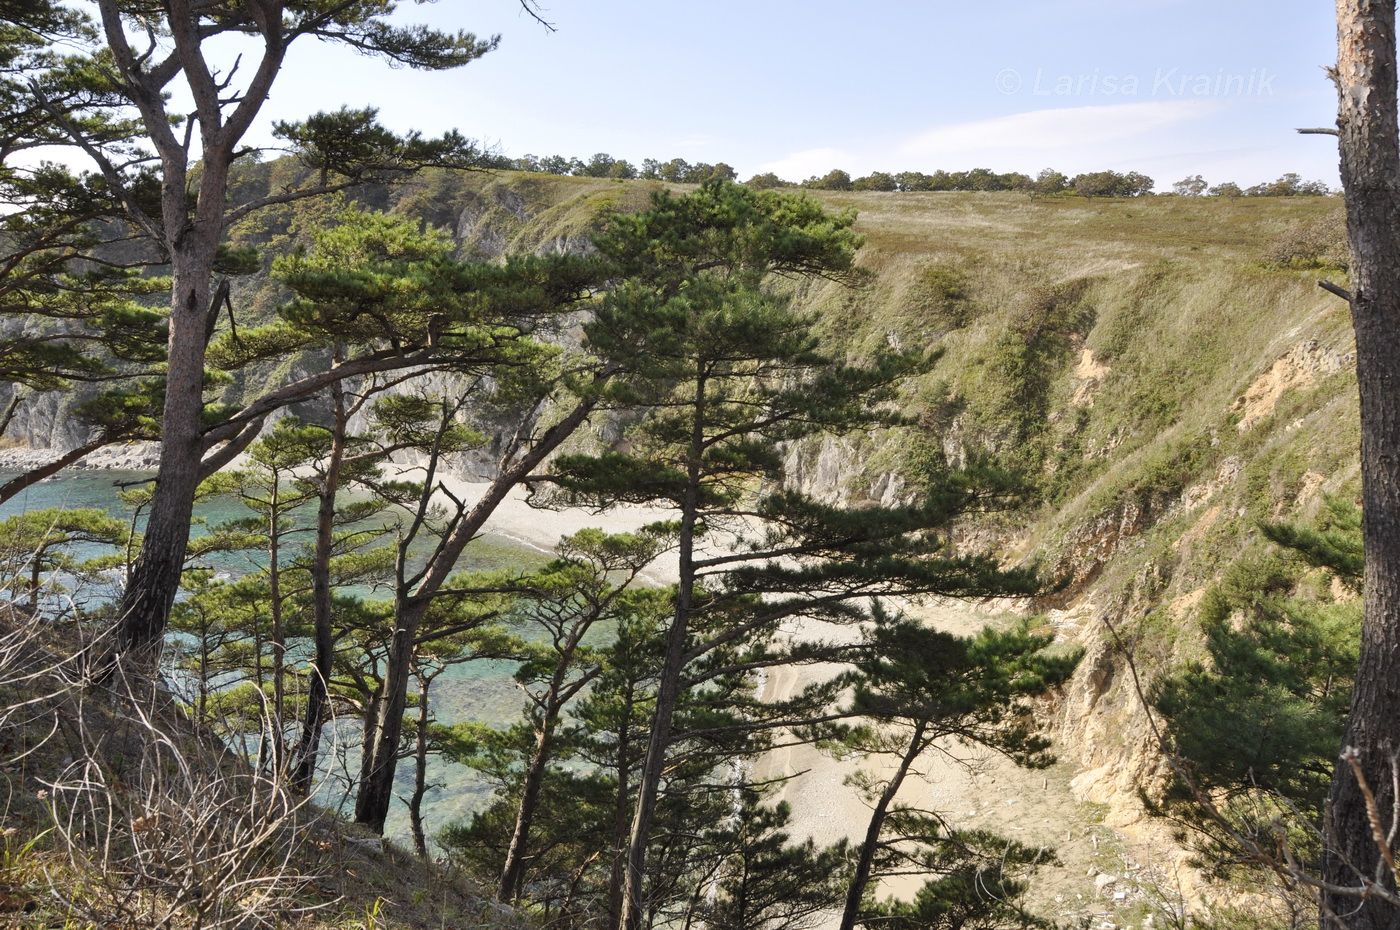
(832, 469)
(43, 421)
(1303, 365)
(127, 456)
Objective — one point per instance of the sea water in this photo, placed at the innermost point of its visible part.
(482, 690)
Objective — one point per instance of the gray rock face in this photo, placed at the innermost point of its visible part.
(43, 421)
(834, 470)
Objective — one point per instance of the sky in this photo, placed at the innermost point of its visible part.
(1170, 88)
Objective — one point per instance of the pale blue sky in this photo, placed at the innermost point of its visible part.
(1168, 87)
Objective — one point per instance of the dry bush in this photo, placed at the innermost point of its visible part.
(153, 823)
(1317, 244)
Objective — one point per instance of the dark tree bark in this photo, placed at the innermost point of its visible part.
(377, 787)
(155, 578)
(317, 695)
(669, 688)
(556, 696)
(865, 861)
(621, 815)
(1370, 167)
(276, 728)
(191, 238)
(420, 769)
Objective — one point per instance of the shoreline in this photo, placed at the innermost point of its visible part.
(974, 788)
(514, 519)
(127, 456)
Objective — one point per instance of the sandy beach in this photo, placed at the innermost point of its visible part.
(973, 787)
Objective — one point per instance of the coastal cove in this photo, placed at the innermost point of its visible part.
(481, 690)
(971, 518)
(978, 786)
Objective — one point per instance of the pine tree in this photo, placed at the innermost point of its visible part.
(733, 373)
(634, 325)
(763, 880)
(1254, 725)
(137, 60)
(71, 291)
(468, 630)
(585, 588)
(917, 687)
(41, 549)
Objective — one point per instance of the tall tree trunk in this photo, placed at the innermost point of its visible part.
(514, 868)
(317, 692)
(377, 787)
(621, 810)
(1370, 165)
(420, 770)
(279, 637)
(669, 688)
(855, 894)
(155, 579)
(369, 727)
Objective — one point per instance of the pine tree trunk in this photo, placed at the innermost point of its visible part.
(155, 579)
(279, 637)
(866, 861)
(420, 771)
(317, 692)
(617, 878)
(369, 722)
(377, 787)
(514, 869)
(1370, 162)
(669, 689)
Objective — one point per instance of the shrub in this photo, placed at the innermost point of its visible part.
(1112, 184)
(1316, 244)
(941, 296)
(877, 181)
(766, 181)
(833, 180)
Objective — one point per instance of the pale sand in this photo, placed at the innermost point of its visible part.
(971, 787)
(542, 529)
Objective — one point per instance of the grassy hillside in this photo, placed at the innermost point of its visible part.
(1170, 383)
(1165, 367)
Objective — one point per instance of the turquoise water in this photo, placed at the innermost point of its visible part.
(482, 690)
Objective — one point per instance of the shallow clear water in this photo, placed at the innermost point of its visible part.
(483, 690)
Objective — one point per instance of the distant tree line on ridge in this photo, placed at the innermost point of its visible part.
(603, 165)
(1049, 181)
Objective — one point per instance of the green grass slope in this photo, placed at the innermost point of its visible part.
(1166, 367)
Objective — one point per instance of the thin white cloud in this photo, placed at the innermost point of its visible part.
(1167, 139)
(1042, 137)
(804, 164)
